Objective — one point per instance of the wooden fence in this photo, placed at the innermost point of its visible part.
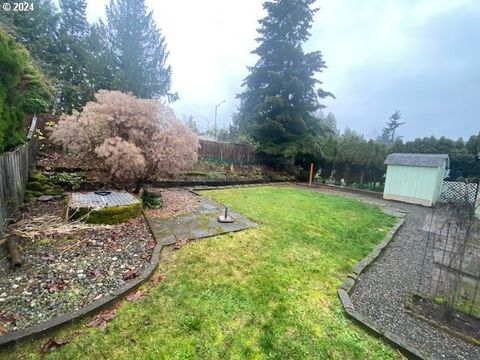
(227, 152)
(14, 171)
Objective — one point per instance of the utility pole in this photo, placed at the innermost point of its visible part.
(215, 124)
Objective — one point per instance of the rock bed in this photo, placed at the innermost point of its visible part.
(63, 273)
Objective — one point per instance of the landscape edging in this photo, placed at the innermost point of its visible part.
(213, 183)
(59, 321)
(409, 310)
(347, 189)
(347, 286)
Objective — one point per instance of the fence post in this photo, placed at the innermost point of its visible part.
(310, 180)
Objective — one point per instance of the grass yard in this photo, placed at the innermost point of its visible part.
(268, 292)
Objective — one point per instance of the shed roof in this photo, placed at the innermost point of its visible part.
(429, 160)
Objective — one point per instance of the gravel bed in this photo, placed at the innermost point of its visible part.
(64, 273)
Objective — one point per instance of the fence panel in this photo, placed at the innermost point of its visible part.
(14, 172)
(459, 192)
(226, 152)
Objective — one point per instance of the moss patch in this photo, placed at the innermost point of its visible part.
(152, 200)
(107, 215)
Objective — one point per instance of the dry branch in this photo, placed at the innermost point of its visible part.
(50, 225)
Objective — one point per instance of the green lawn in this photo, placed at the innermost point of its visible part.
(263, 293)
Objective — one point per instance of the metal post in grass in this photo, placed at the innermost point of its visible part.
(310, 180)
(225, 218)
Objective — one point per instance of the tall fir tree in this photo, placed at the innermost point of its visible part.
(101, 61)
(73, 22)
(281, 93)
(73, 89)
(140, 50)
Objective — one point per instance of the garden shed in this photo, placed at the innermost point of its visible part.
(415, 178)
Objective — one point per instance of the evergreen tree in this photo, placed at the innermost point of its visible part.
(390, 132)
(101, 63)
(281, 92)
(37, 30)
(140, 50)
(73, 90)
(73, 21)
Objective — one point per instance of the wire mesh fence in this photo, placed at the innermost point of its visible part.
(450, 273)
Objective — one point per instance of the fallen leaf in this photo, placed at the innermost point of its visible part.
(56, 286)
(130, 274)
(151, 245)
(8, 317)
(180, 243)
(94, 274)
(136, 296)
(49, 257)
(51, 345)
(102, 318)
(156, 279)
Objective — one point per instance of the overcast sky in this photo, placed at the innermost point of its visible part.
(418, 56)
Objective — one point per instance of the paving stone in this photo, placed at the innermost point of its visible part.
(201, 223)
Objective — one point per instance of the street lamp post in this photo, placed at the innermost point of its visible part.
(215, 124)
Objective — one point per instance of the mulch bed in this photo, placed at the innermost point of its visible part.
(458, 322)
(175, 202)
(63, 272)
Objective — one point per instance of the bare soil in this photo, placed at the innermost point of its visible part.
(456, 321)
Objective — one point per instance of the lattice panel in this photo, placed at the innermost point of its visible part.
(459, 192)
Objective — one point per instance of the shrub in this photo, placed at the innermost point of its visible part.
(132, 139)
(23, 90)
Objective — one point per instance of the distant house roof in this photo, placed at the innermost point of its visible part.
(430, 160)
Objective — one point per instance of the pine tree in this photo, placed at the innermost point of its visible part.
(140, 50)
(281, 92)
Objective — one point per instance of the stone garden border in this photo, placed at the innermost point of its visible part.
(347, 189)
(62, 320)
(347, 286)
(196, 189)
(212, 183)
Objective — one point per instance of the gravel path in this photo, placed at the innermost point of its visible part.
(380, 292)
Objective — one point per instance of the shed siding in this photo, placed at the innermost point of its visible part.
(413, 184)
(439, 183)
